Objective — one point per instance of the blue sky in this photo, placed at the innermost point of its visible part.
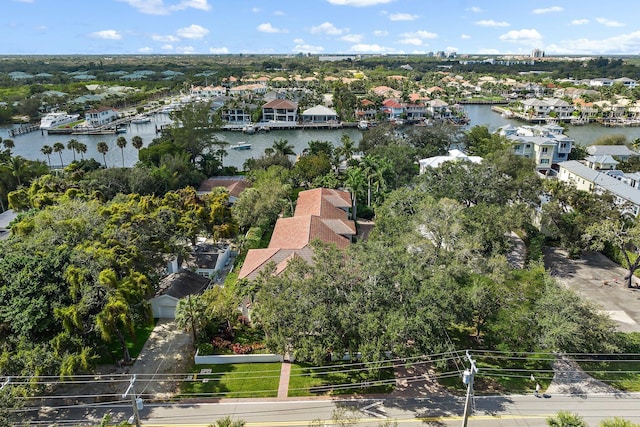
(559, 27)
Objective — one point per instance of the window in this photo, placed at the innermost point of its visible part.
(544, 161)
(545, 149)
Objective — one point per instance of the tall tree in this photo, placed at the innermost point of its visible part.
(121, 142)
(47, 150)
(73, 146)
(136, 141)
(103, 149)
(58, 147)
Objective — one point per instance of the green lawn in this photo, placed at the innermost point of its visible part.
(113, 352)
(236, 380)
(344, 378)
(621, 371)
(502, 373)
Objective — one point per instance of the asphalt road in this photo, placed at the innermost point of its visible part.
(507, 411)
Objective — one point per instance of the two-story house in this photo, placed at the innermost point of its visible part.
(280, 110)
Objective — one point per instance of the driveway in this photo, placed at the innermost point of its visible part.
(599, 280)
(167, 351)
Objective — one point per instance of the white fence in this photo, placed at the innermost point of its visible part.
(237, 358)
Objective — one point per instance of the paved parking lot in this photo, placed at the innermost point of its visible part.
(600, 280)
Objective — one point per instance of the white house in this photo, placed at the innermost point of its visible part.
(547, 145)
(454, 155)
(208, 258)
(280, 110)
(319, 114)
(207, 92)
(621, 152)
(587, 179)
(172, 289)
(101, 116)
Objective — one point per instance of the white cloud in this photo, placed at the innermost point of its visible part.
(166, 39)
(166, 47)
(411, 40)
(492, 23)
(352, 38)
(422, 34)
(107, 35)
(185, 50)
(326, 28)
(192, 32)
(381, 33)
(524, 36)
(145, 49)
(268, 28)
(308, 48)
(609, 22)
(475, 9)
(358, 3)
(256, 10)
(278, 13)
(23, 1)
(218, 50)
(624, 43)
(41, 28)
(579, 22)
(465, 36)
(369, 48)
(403, 17)
(157, 7)
(547, 10)
(488, 51)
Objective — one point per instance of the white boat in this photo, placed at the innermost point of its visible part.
(363, 125)
(140, 119)
(249, 129)
(54, 120)
(241, 146)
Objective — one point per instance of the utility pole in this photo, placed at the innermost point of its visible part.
(467, 379)
(134, 402)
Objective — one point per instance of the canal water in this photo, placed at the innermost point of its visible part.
(29, 145)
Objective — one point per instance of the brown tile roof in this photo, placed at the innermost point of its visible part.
(320, 214)
(281, 103)
(324, 202)
(234, 185)
(257, 259)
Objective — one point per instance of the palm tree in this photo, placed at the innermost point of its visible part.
(47, 150)
(103, 148)
(282, 146)
(122, 142)
(73, 146)
(8, 144)
(82, 148)
(58, 147)
(136, 141)
(18, 167)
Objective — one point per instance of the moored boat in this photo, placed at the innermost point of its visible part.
(57, 119)
(141, 119)
(241, 146)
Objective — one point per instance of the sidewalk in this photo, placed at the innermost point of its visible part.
(283, 387)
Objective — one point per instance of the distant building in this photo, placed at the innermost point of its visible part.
(537, 53)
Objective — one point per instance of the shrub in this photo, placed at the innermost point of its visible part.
(205, 348)
(241, 348)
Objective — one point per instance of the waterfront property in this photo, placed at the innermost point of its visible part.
(546, 144)
(280, 110)
(453, 156)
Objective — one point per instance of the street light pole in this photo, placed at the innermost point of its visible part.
(468, 380)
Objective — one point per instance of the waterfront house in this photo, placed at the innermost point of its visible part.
(602, 162)
(392, 109)
(248, 90)
(601, 82)
(543, 109)
(319, 114)
(626, 197)
(547, 145)
(280, 110)
(237, 113)
(439, 109)
(101, 116)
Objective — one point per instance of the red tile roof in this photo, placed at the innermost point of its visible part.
(281, 104)
(234, 185)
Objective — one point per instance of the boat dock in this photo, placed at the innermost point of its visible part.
(268, 126)
(28, 128)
